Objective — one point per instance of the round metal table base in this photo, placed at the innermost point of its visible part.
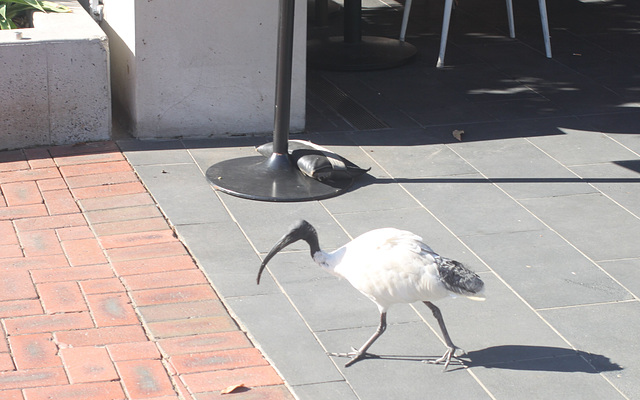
(371, 53)
(270, 179)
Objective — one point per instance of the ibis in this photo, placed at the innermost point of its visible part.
(389, 266)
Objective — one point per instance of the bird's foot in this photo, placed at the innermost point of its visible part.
(354, 354)
(446, 358)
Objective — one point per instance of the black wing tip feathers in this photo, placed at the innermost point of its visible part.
(459, 279)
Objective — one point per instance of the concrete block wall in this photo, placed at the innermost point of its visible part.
(201, 68)
(55, 81)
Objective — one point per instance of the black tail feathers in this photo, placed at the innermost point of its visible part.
(459, 279)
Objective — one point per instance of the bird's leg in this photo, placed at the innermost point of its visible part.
(451, 347)
(357, 355)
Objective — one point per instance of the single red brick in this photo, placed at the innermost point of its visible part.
(72, 273)
(75, 232)
(204, 343)
(31, 211)
(39, 158)
(29, 175)
(112, 309)
(40, 243)
(88, 364)
(191, 326)
(62, 153)
(34, 351)
(52, 184)
(95, 168)
(33, 263)
(131, 226)
(8, 235)
(83, 252)
(145, 378)
(19, 308)
(137, 239)
(173, 295)
(165, 279)
(109, 178)
(117, 189)
(165, 312)
(93, 391)
(21, 193)
(107, 285)
(60, 297)
(217, 360)
(218, 380)
(147, 251)
(29, 378)
(101, 336)
(6, 364)
(15, 394)
(123, 214)
(85, 155)
(16, 285)
(60, 202)
(12, 160)
(48, 323)
(10, 251)
(151, 265)
(50, 222)
(126, 200)
(134, 351)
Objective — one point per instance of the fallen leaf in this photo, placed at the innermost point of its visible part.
(232, 388)
(458, 134)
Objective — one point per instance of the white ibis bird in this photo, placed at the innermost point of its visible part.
(389, 266)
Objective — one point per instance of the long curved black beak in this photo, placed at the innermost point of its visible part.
(300, 230)
(285, 241)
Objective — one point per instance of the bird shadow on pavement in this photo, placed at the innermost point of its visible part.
(521, 357)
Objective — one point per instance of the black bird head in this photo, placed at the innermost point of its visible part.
(301, 230)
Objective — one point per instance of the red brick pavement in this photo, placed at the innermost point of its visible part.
(99, 299)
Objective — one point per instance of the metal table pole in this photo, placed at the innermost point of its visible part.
(275, 178)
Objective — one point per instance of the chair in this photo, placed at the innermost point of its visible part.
(448, 6)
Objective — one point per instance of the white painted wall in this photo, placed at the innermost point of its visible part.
(199, 68)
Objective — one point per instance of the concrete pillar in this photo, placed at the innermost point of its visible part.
(201, 68)
(55, 81)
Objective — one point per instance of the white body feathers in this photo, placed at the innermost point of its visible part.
(389, 266)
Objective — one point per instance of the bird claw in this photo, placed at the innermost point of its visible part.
(446, 358)
(354, 354)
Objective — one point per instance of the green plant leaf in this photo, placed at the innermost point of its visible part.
(11, 9)
(16, 9)
(35, 4)
(6, 24)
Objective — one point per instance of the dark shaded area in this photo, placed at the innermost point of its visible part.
(520, 357)
(493, 87)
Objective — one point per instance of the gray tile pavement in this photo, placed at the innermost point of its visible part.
(540, 197)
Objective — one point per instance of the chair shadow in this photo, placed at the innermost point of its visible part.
(523, 358)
